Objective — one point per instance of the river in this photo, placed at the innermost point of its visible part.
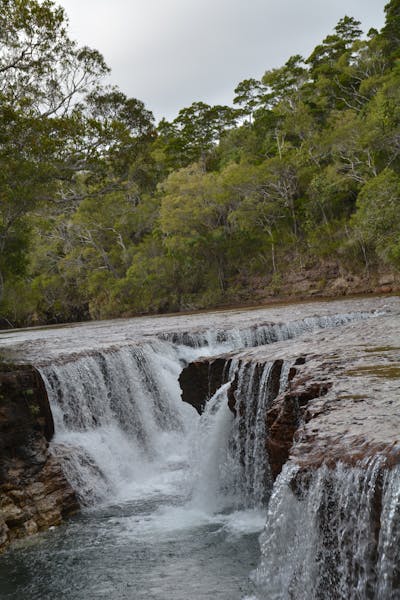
(166, 515)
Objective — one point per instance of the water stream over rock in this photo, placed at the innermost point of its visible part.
(334, 534)
(173, 501)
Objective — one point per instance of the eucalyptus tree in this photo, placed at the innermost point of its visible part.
(65, 135)
(195, 132)
(42, 75)
(251, 95)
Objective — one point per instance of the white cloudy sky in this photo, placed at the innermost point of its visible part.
(170, 53)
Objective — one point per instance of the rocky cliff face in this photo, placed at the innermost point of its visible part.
(34, 493)
(323, 409)
(339, 401)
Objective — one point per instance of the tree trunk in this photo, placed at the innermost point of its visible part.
(1, 287)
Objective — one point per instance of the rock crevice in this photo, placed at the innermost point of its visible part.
(338, 403)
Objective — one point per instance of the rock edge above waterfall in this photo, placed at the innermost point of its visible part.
(341, 400)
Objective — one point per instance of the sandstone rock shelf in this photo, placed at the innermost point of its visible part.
(342, 401)
(34, 493)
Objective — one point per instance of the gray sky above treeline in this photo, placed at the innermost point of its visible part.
(170, 53)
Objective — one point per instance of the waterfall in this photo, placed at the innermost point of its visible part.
(333, 534)
(211, 468)
(230, 458)
(177, 498)
(284, 377)
(388, 567)
(116, 414)
(252, 396)
(227, 339)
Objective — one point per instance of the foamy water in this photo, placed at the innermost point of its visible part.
(174, 502)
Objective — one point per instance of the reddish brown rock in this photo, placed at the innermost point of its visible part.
(341, 404)
(384, 289)
(284, 417)
(34, 493)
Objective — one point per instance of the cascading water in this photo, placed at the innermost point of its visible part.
(118, 413)
(260, 335)
(333, 534)
(176, 500)
(254, 391)
(212, 470)
(388, 567)
(234, 468)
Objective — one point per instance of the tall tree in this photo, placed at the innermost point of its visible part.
(195, 132)
(58, 121)
(391, 30)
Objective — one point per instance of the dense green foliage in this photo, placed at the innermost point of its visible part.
(104, 214)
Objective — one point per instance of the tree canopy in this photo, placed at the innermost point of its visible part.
(103, 213)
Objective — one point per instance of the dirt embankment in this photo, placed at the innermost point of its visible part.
(327, 280)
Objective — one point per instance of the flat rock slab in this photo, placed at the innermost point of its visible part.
(44, 345)
(342, 402)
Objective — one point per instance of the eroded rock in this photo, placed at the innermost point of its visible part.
(34, 493)
(340, 403)
(200, 380)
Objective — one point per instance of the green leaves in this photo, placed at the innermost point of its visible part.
(63, 136)
(391, 30)
(103, 214)
(41, 69)
(377, 219)
(195, 132)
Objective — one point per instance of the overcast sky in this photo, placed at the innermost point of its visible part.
(170, 53)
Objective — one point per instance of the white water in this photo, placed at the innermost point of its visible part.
(254, 482)
(212, 469)
(165, 476)
(333, 535)
(118, 418)
(120, 423)
(230, 466)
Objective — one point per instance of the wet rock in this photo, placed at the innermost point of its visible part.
(340, 404)
(200, 380)
(285, 416)
(34, 493)
(4, 538)
(31, 527)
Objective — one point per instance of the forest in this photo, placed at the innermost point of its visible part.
(104, 213)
